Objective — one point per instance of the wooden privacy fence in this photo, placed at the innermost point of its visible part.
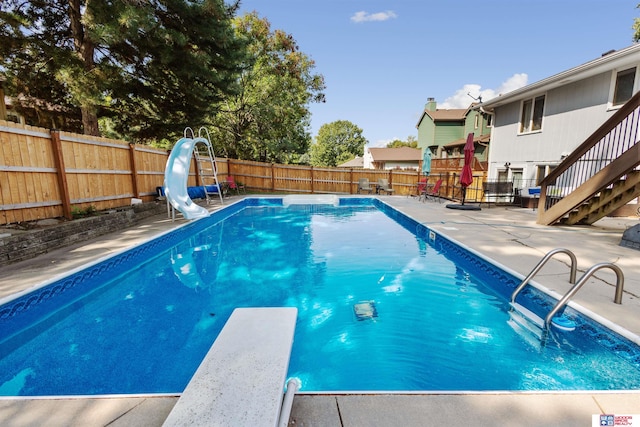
(51, 174)
(276, 178)
(48, 174)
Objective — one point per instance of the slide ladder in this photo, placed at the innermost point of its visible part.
(209, 175)
(177, 174)
(207, 167)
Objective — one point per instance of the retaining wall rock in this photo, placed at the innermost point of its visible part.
(22, 245)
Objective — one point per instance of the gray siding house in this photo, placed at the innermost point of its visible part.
(538, 125)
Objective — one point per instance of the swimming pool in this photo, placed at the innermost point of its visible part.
(384, 304)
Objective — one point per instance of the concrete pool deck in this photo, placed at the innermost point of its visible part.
(509, 236)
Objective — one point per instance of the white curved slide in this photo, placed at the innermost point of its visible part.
(175, 178)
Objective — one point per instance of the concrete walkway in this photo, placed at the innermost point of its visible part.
(509, 236)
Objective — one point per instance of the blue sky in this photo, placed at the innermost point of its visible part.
(382, 59)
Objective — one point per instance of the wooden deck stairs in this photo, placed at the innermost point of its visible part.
(600, 176)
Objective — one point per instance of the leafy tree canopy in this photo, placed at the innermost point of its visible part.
(411, 142)
(269, 118)
(150, 67)
(336, 143)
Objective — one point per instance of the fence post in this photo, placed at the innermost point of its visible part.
(134, 170)
(312, 177)
(273, 177)
(63, 187)
(351, 181)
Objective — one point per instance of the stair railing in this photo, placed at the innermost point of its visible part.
(616, 136)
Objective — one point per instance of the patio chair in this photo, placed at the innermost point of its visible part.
(383, 185)
(233, 185)
(422, 188)
(434, 192)
(364, 185)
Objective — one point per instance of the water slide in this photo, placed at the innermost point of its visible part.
(175, 178)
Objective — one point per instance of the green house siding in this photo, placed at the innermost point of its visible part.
(426, 132)
(481, 153)
(470, 124)
(447, 132)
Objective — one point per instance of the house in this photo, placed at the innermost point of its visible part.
(36, 112)
(9, 113)
(392, 158)
(355, 163)
(444, 131)
(537, 126)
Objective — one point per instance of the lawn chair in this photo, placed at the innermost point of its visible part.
(233, 185)
(434, 192)
(383, 185)
(364, 185)
(422, 189)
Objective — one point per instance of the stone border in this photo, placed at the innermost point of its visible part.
(25, 245)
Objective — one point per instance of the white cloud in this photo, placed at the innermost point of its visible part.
(363, 16)
(461, 98)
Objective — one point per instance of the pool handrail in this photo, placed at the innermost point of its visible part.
(575, 288)
(543, 261)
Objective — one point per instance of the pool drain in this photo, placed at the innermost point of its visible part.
(365, 310)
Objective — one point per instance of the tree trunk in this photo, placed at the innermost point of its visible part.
(90, 121)
(85, 50)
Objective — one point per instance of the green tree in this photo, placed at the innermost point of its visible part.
(411, 142)
(336, 143)
(269, 118)
(29, 61)
(151, 67)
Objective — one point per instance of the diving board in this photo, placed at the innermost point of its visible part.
(241, 380)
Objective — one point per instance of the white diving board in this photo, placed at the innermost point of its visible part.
(241, 380)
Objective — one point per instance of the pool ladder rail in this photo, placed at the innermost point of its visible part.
(549, 318)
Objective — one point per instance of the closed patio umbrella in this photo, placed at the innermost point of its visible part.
(426, 161)
(466, 178)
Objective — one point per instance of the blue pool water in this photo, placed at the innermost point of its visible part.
(433, 316)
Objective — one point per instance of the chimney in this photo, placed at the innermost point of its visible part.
(430, 105)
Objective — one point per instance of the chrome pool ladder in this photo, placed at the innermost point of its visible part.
(575, 288)
(572, 279)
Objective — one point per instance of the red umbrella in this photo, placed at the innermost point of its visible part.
(466, 178)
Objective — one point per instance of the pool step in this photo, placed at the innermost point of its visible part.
(526, 323)
(241, 380)
(313, 199)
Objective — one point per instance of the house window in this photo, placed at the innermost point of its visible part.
(531, 117)
(476, 121)
(542, 171)
(489, 120)
(623, 86)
